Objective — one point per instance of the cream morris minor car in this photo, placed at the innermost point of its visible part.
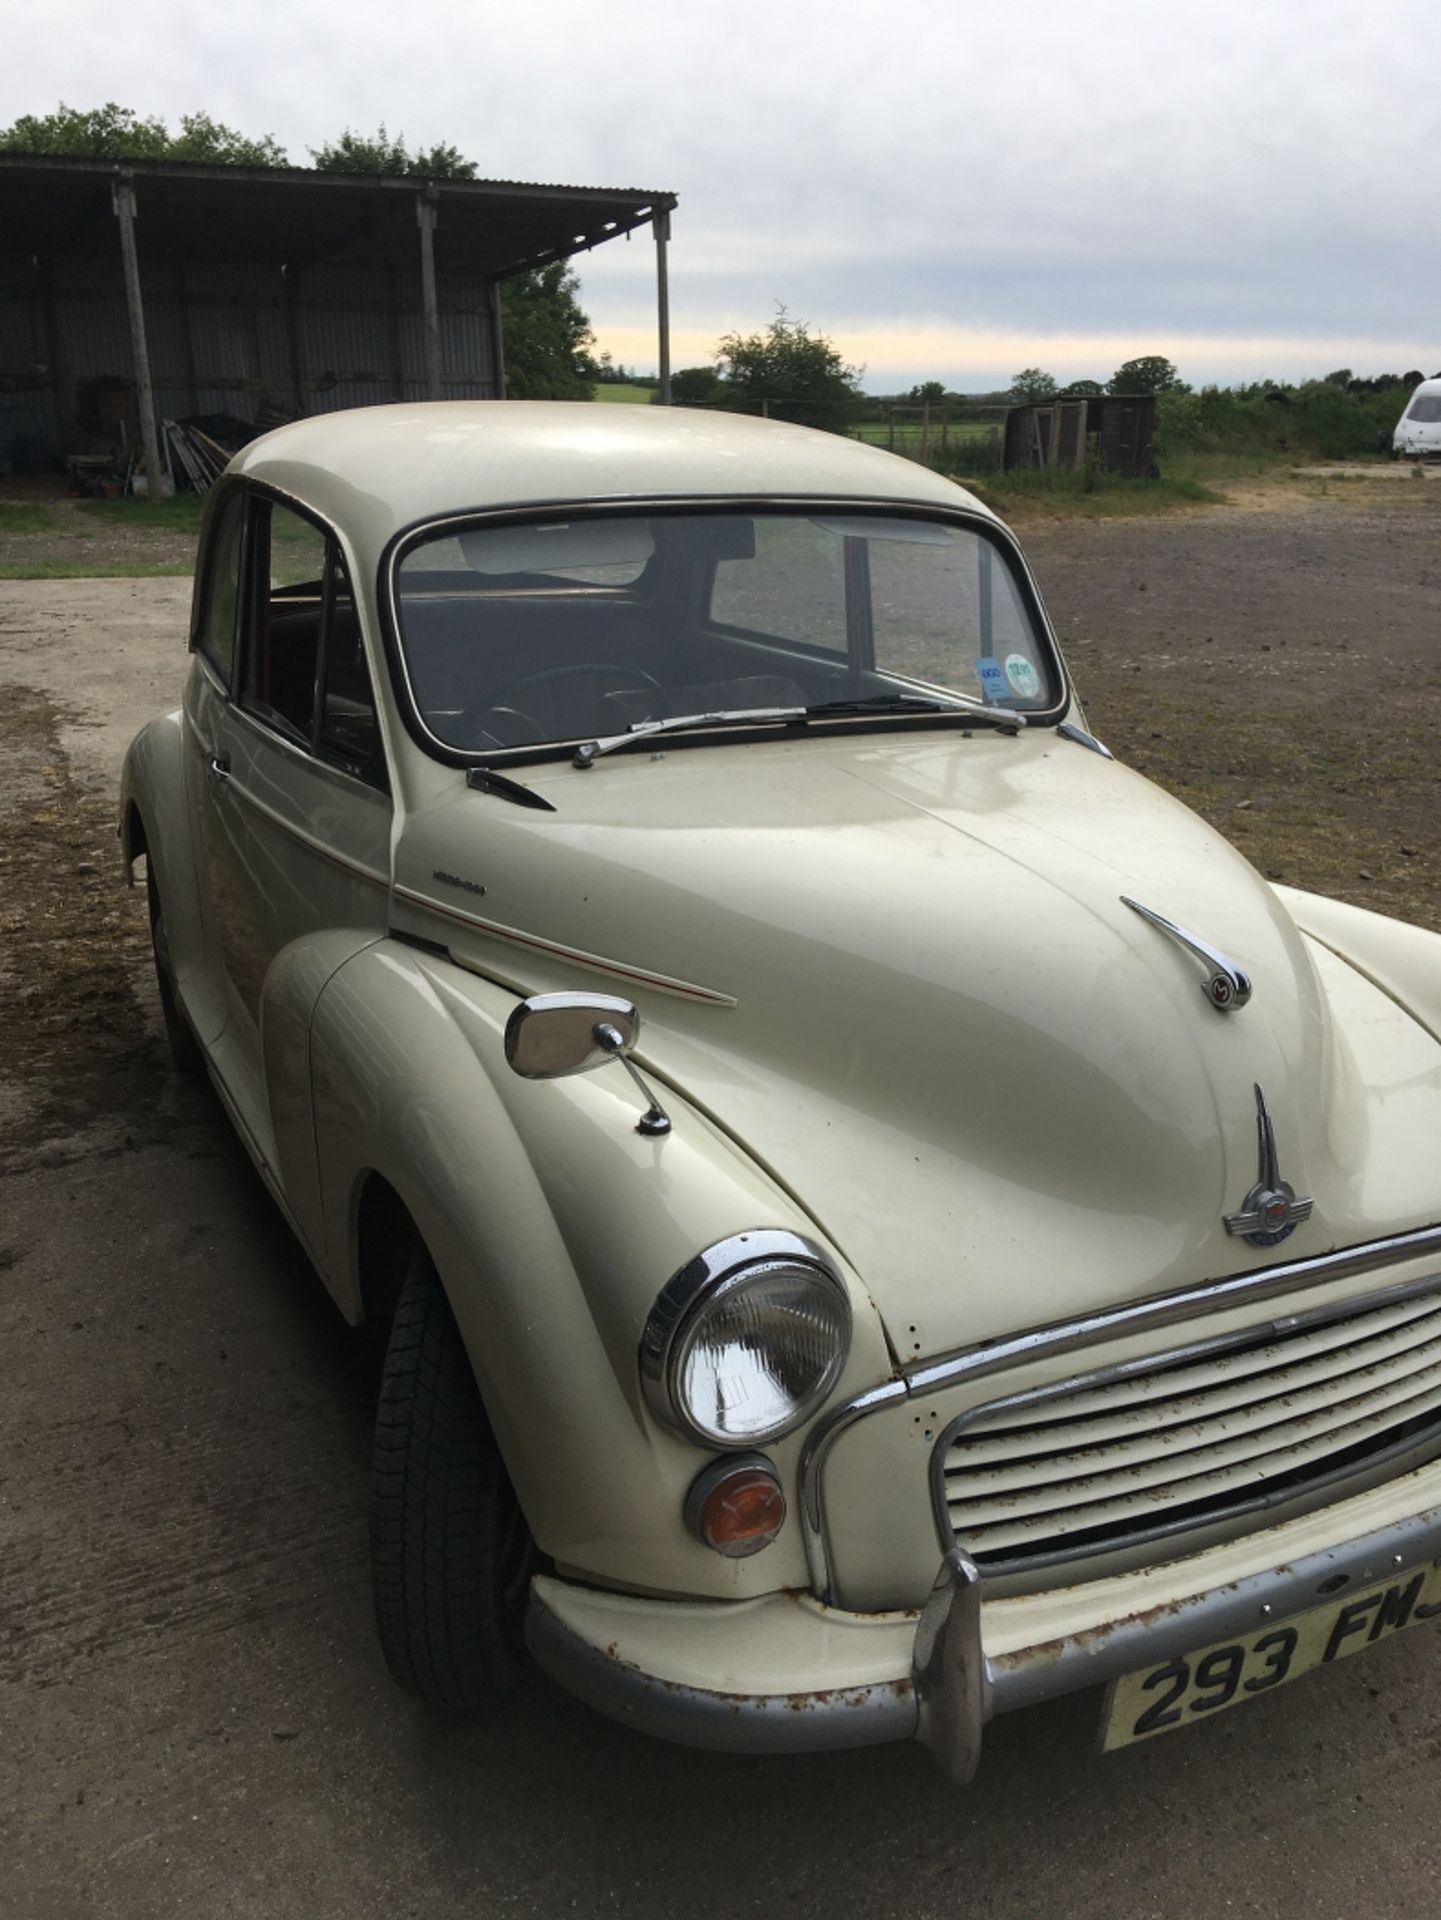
(883, 1216)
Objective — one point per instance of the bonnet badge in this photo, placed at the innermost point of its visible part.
(1271, 1210)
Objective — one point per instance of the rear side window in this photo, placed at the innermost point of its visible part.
(303, 667)
(1426, 409)
(220, 592)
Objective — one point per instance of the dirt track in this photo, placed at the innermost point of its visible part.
(196, 1720)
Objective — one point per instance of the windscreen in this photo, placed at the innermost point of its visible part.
(562, 630)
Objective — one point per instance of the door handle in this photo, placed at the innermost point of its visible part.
(218, 769)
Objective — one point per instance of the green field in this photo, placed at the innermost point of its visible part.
(615, 390)
(877, 433)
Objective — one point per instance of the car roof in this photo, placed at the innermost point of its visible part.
(373, 470)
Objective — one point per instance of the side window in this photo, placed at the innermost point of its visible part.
(283, 629)
(792, 587)
(347, 708)
(303, 667)
(215, 630)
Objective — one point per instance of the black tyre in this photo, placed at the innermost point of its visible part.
(451, 1555)
(184, 1047)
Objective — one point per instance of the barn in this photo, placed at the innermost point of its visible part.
(161, 289)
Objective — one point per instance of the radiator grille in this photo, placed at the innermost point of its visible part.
(1187, 1441)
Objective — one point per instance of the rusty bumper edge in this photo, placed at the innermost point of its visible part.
(1156, 1634)
(723, 1722)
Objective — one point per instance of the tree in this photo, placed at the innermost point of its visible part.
(114, 132)
(547, 336)
(693, 386)
(1033, 383)
(1150, 374)
(378, 153)
(930, 393)
(1082, 390)
(547, 332)
(789, 372)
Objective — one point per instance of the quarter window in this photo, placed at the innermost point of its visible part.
(303, 669)
(220, 593)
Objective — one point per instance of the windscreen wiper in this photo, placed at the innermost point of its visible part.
(588, 754)
(1003, 717)
(970, 710)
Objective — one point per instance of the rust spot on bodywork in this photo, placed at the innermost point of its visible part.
(1048, 1652)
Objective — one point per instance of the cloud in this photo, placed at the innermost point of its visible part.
(969, 181)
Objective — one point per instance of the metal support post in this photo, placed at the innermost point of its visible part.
(660, 222)
(425, 215)
(497, 338)
(123, 200)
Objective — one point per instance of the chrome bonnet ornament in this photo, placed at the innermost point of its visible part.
(1227, 986)
(1271, 1210)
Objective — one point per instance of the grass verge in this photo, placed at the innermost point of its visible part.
(179, 514)
(18, 518)
(1088, 496)
(88, 570)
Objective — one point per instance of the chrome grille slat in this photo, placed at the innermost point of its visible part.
(1224, 1379)
(1187, 1439)
(1191, 1424)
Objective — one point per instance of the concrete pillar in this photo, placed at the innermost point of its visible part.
(123, 199)
(425, 215)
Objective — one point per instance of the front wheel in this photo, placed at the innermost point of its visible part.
(451, 1554)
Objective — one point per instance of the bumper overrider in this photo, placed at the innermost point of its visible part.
(787, 1674)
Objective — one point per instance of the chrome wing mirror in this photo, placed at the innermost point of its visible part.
(552, 1035)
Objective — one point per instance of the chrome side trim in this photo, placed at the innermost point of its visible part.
(1329, 1316)
(662, 982)
(1227, 986)
(1066, 1336)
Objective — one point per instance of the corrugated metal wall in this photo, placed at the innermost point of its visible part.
(226, 337)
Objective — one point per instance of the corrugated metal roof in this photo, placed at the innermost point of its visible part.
(61, 205)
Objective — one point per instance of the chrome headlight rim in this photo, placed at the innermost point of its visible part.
(714, 1272)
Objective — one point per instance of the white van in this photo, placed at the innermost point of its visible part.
(1418, 431)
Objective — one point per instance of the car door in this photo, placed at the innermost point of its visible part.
(214, 634)
(300, 820)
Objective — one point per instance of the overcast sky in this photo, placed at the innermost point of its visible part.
(948, 191)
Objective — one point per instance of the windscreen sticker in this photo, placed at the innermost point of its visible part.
(1022, 676)
(992, 678)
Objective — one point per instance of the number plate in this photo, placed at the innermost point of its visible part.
(1160, 1699)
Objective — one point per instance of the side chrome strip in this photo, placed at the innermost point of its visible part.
(1066, 1336)
(513, 936)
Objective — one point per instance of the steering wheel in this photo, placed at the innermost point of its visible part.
(508, 701)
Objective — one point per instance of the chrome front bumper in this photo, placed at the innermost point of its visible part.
(947, 1689)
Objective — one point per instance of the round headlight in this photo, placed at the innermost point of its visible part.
(747, 1341)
